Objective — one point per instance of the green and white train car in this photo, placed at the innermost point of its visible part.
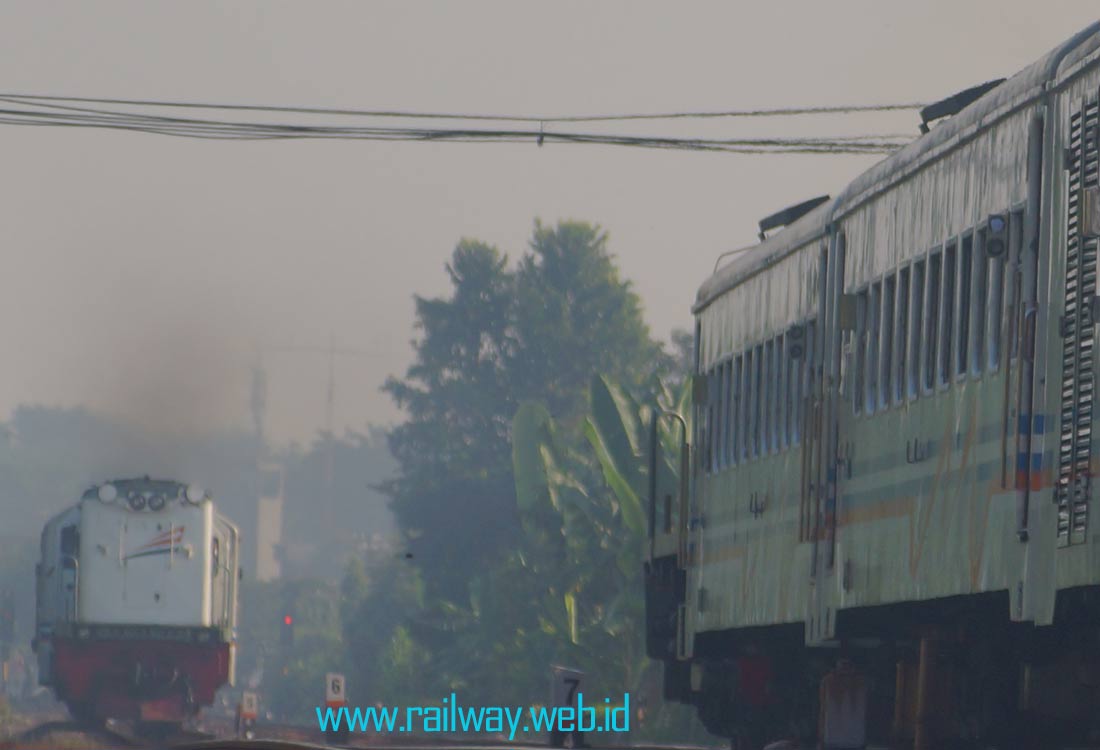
(894, 440)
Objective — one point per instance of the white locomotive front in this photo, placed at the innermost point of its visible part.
(136, 601)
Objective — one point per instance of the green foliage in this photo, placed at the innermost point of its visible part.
(602, 522)
(522, 483)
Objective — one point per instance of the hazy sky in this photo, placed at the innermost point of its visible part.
(141, 272)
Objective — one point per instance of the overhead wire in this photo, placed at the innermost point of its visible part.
(58, 111)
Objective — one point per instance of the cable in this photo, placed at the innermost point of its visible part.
(774, 112)
(46, 111)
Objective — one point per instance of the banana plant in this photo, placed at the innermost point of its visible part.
(583, 512)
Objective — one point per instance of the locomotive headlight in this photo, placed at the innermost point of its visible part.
(108, 493)
(156, 502)
(137, 501)
(195, 494)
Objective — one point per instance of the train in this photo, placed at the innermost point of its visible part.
(892, 442)
(136, 607)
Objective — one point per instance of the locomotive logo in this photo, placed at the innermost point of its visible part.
(162, 544)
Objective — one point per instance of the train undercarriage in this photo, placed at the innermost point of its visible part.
(939, 675)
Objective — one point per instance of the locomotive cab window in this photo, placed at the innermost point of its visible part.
(70, 541)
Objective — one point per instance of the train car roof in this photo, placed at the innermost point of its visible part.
(754, 259)
(1017, 90)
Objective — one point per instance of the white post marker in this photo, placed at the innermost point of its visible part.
(565, 683)
(247, 713)
(335, 696)
(250, 706)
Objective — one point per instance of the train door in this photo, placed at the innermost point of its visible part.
(820, 471)
(1024, 241)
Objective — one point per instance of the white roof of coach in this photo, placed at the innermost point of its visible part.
(1016, 91)
(897, 167)
(754, 259)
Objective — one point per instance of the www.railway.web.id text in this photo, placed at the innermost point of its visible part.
(452, 717)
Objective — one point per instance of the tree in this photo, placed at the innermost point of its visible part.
(576, 318)
(501, 579)
(452, 495)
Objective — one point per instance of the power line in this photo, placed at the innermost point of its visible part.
(735, 113)
(48, 111)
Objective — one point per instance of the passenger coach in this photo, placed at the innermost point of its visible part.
(894, 442)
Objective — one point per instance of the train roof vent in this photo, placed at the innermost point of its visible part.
(952, 105)
(789, 215)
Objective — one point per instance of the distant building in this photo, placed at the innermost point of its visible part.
(269, 522)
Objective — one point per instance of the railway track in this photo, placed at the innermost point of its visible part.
(70, 734)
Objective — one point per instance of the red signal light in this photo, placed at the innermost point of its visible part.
(288, 620)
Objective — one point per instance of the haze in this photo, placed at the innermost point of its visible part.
(142, 272)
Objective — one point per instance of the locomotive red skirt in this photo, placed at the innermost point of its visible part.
(144, 673)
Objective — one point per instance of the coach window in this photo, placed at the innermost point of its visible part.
(980, 297)
(746, 422)
(932, 319)
(770, 381)
(874, 318)
(712, 419)
(735, 417)
(947, 319)
(859, 376)
(723, 403)
(962, 360)
(1012, 315)
(793, 387)
(996, 310)
(727, 389)
(915, 333)
(809, 369)
(727, 415)
(889, 297)
(901, 325)
(783, 362)
(758, 397)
